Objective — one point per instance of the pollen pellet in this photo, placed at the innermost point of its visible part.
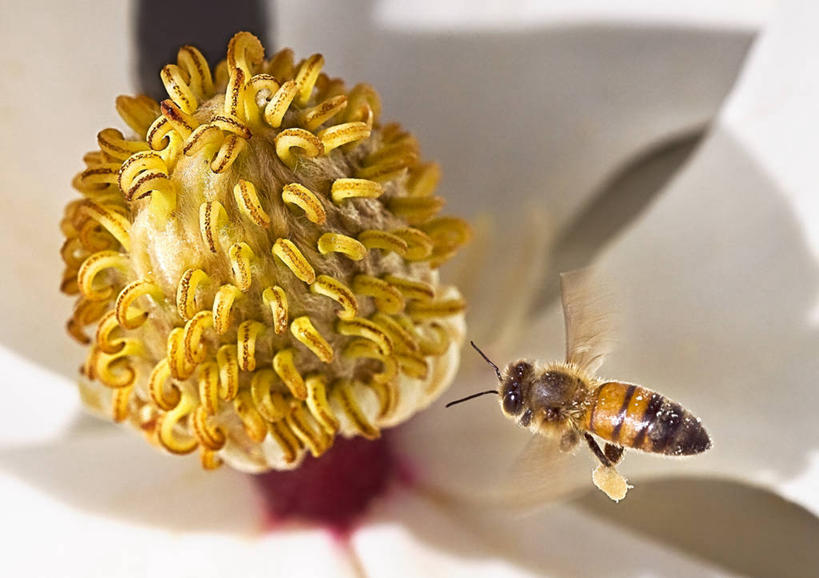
(253, 260)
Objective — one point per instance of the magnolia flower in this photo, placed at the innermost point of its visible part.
(88, 498)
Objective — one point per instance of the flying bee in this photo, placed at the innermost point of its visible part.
(564, 401)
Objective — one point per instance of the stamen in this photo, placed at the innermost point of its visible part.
(253, 422)
(90, 271)
(307, 76)
(278, 105)
(285, 368)
(248, 201)
(411, 289)
(365, 328)
(346, 398)
(186, 289)
(222, 306)
(176, 84)
(308, 144)
(228, 361)
(246, 343)
(284, 437)
(342, 134)
(314, 117)
(212, 216)
(339, 292)
(423, 310)
(271, 406)
(290, 255)
(128, 317)
(194, 64)
(419, 244)
(376, 239)
(275, 298)
(304, 198)
(354, 188)
(138, 112)
(195, 351)
(169, 426)
(165, 398)
(338, 243)
(304, 331)
(415, 210)
(308, 431)
(113, 144)
(240, 255)
(424, 180)
(208, 381)
(318, 404)
(387, 298)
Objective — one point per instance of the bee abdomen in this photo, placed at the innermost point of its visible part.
(632, 416)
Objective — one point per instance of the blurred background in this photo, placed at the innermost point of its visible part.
(664, 142)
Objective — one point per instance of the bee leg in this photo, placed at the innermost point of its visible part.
(613, 453)
(598, 453)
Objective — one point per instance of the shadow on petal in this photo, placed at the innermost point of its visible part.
(116, 474)
(742, 529)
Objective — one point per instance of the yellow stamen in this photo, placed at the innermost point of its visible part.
(212, 216)
(308, 144)
(91, 285)
(339, 292)
(375, 239)
(290, 255)
(338, 243)
(222, 306)
(387, 298)
(342, 134)
(304, 198)
(365, 328)
(285, 368)
(271, 405)
(186, 289)
(318, 404)
(306, 333)
(246, 337)
(248, 201)
(253, 422)
(307, 76)
(354, 188)
(314, 117)
(240, 255)
(275, 298)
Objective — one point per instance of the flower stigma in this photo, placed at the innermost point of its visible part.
(256, 272)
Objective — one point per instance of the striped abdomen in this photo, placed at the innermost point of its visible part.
(632, 416)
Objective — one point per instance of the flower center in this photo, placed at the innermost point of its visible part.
(334, 490)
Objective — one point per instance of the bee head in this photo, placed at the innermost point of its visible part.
(513, 383)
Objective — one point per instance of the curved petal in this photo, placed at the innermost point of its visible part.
(718, 282)
(413, 535)
(107, 505)
(550, 109)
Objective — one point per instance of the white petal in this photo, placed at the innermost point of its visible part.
(718, 285)
(61, 94)
(111, 506)
(549, 111)
(38, 405)
(411, 535)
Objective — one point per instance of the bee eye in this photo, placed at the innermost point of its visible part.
(513, 401)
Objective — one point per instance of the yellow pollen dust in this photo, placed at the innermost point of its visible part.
(254, 261)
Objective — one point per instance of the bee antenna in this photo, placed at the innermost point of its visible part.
(473, 396)
(489, 361)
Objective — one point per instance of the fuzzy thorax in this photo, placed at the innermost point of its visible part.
(260, 263)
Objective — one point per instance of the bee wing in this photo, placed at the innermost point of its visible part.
(540, 474)
(586, 314)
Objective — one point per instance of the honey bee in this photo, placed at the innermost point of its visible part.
(564, 401)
